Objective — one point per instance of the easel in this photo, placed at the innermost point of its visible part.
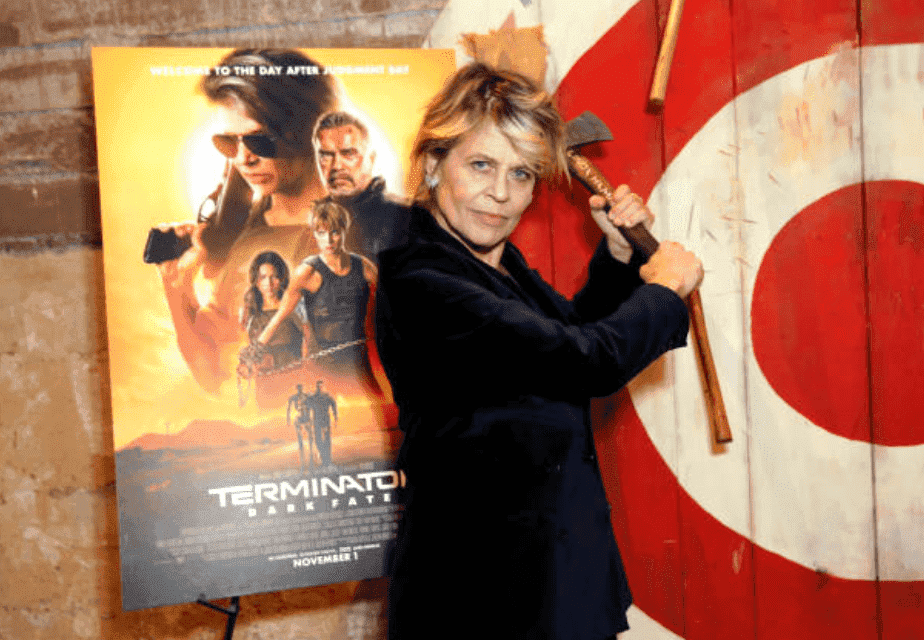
(231, 612)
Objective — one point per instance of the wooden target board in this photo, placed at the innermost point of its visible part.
(790, 157)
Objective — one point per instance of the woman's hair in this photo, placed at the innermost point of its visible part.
(522, 111)
(330, 216)
(253, 299)
(287, 105)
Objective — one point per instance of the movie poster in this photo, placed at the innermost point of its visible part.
(245, 194)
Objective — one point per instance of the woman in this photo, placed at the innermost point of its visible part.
(269, 278)
(506, 531)
(335, 286)
(263, 126)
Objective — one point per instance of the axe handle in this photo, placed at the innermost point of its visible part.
(715, 405)
(640, 238)
(665, 56)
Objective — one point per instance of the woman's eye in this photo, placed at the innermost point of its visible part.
(480, 165)
(522, 175)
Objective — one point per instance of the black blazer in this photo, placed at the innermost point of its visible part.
(506, 531)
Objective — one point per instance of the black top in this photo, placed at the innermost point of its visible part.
(337, 310)
(506, 531)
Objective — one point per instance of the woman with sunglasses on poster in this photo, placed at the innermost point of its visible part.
(506, 531)
(263, 126)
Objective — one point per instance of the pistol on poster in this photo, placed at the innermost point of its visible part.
(225, 213)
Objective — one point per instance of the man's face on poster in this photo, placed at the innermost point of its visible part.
(345, 160)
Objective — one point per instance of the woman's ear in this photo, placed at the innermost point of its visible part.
(430, 165)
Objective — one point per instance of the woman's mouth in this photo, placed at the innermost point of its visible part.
(491, 219)
(258, 178)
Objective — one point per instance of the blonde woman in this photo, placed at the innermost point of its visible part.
(506, 531)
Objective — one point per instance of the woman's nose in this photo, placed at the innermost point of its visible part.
(244, 155)
(499, 190)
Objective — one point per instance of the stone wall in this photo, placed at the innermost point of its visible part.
(58, 525)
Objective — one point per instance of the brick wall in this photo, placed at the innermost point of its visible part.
(58, 531)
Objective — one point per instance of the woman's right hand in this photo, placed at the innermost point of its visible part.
(627, 209)
(673, 267)
(180, 272)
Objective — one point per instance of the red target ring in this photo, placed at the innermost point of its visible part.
(690, 572)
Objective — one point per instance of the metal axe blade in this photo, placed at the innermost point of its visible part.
(586, 129)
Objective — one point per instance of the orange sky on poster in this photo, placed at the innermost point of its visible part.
(156, 164)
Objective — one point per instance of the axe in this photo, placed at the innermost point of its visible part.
(665, 57)
(588, 128)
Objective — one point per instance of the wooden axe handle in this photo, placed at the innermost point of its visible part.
(640, 238)
(665, 56)
(715, 405)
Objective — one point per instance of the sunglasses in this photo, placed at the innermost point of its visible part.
(259, 144)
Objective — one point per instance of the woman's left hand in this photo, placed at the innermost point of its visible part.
(626, 210)
(179, 272)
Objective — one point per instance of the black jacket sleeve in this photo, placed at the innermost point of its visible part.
(455, 335)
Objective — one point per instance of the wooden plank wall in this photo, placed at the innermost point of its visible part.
(48, 181)
(59, 561)
(790, 156)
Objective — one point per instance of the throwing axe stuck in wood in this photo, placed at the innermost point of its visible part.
(665, 57)
(586, 129)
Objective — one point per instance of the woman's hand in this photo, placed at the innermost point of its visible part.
(627, 210)
(180, 272)
(673, 267)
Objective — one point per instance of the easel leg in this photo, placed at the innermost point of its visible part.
(231, 612)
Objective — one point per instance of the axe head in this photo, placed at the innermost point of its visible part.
(585, 129)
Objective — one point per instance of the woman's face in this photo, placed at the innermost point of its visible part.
(286, 174)
(330, 241)
(484, 187)
(268, 281)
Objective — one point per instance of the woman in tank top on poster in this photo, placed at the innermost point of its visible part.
(335, 287)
